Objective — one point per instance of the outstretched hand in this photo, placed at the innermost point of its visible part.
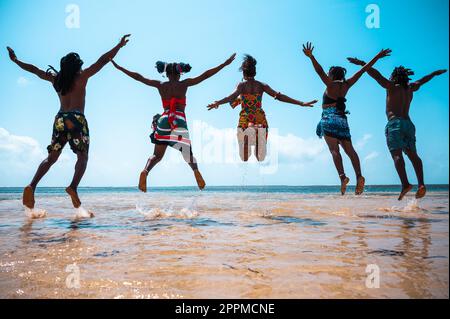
(214, 105)
(230, 59)
(12, 54)
(114, 63)
(439, 72)
(308, 49)
(309, 104)
(356, 61)
(124, 40)
(384, 53)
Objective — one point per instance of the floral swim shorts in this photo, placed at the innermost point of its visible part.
(70, 127)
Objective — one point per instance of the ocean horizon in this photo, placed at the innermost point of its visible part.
(295, 189)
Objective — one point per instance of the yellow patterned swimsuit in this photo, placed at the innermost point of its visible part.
(252, 114)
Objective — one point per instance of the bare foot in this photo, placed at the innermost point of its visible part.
(421, 191)
(405, 191)
(200, 181)
(361, 181)
(143, 181)
(344, 183)
(28, 197)
(74, 196)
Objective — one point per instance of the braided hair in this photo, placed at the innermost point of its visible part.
(70, 66)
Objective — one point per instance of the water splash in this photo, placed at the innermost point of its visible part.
(35, 213)
(81, 213)
(158, 213)
(412, 206)
(188, 212)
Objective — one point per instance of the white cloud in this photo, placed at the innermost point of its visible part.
(216, 145)
(299, 149)
(22, 81)
(20, 157)
(15, 147)
(363, 141)
(371, 156)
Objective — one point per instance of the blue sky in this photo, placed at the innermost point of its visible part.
(204, 34)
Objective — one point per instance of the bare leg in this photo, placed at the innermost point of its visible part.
(157, 156)
(417, 164)
(244, 149)
(418, 168)
(333, 145)
(261, 144)
(399, 162)
(44, 167)
(28, 193)
(80, 168)
(192, 162)
(351, 153)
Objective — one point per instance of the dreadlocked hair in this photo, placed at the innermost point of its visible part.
(172, 68)
(400, 75)
(248, 66)
(70, 66)
(338, 73)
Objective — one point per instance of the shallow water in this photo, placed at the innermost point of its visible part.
(229, 243)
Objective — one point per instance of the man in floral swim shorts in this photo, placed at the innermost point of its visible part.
(70, 127)
(70, 123)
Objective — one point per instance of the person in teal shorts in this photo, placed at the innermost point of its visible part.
(400, 130)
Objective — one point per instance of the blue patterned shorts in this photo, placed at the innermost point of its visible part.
(333, 124)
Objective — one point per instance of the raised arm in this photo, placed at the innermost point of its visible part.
(284, 98)
(209, 73)
(416, 85)
(137, 76)
(383, 53)
(230, 98)
(105, 58)
(29, 67)
(374, 73)
(308, 51)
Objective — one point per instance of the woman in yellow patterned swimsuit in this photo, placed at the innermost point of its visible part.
(253, 126)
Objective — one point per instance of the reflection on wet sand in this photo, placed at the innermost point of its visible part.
(234, 245)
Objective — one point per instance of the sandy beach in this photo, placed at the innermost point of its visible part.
(233, 244)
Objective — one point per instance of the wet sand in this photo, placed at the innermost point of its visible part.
(232, 245)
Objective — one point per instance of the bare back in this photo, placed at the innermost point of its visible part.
(173, 89)
(337, 89)
(251, 86)
(75, 99)
(398, 101)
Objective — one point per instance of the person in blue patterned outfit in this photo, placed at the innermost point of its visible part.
(334, 126)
